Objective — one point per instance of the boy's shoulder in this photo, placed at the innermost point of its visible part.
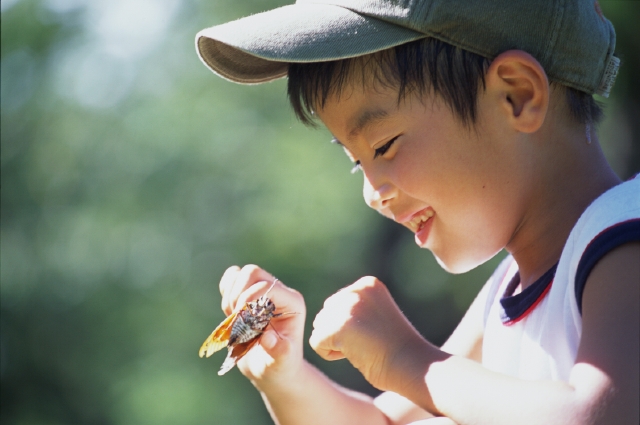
(541, 327)
(612, 220)
(620, 203)
(617, 211)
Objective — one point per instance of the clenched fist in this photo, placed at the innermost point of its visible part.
(363, 324)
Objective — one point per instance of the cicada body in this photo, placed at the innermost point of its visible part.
(240, 331)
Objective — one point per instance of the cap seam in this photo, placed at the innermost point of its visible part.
(608, 58)
(555, 30)
(551, 45)
(425, 11)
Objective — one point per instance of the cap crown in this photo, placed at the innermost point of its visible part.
(571, 39)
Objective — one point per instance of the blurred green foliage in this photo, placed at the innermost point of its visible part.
(132, 177)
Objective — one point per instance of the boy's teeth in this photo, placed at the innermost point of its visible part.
(416, 221)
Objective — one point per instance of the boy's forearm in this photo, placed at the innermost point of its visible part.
(312, 398)
(602, 387)
(466, 392)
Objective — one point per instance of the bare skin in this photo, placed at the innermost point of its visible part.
(519, 181)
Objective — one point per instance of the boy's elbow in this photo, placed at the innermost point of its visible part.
(599, 400)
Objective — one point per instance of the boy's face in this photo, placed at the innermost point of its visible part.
(454, 187)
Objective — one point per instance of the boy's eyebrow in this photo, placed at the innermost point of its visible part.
(367, 118)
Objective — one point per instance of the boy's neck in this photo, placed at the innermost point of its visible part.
(568, 178)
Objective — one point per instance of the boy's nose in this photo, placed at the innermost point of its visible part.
(378, 196)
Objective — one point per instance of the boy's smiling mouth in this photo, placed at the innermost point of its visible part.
(420, 224)
(418, 220)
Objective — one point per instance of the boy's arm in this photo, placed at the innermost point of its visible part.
(603, 386)
(294, 391)
(309, 395)
(465, 341)
(313, 399)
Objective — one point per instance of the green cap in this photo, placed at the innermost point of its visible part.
(571, 39)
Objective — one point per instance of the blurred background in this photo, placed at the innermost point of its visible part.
(132, 178)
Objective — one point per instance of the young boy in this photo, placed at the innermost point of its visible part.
(473, 125)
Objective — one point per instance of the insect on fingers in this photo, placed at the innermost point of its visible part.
(248, 276)
(241, 330)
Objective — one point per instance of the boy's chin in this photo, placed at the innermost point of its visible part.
(459, 264)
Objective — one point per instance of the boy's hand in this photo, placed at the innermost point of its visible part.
(363, 324)
(278, 356)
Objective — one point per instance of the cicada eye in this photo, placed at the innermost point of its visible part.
(267, 305)
(271, 306)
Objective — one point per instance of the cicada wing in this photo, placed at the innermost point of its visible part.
(219, 337)
(235, 354)
(211, 346)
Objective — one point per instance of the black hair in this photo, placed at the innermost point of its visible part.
(425, 66)
(583, 107)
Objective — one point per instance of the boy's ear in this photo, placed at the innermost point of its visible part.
(522, 89)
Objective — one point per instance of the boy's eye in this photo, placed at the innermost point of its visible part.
(378, 152)
(384, 148)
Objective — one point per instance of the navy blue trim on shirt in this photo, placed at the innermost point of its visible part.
(516, 307)
(606, 241)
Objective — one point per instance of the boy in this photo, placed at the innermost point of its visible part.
(447, 109)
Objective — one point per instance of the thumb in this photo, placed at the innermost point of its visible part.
(274, 345)
(268, 340)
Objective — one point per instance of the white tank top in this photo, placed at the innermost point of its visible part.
(535, 334)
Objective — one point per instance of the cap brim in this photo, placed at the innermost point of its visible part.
(260, 47)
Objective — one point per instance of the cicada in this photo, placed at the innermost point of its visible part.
(240, 331)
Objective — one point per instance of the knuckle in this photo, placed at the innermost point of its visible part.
(313, 341)
(368, 282)
(317, 321)
(335, 301)
(228, 277)
(298, 299)
(319, 346)
(250, 270)
(294, 293)
(248, 294)
(232, 269)
(226, 308)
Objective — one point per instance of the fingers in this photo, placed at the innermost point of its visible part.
(271, 356)
(330, 323)
(323, 339)
(228, 279)
(327, 354)
(276, 346)
(235, 280)
(287, 300)
(240, 285)
(347, 317)
(269, 340)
